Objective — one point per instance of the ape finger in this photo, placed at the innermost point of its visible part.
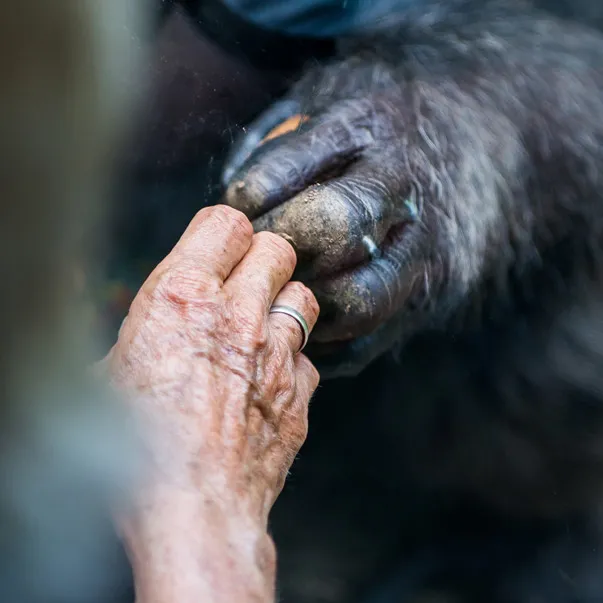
(355, 302)
(286, 165)
(343, 222)
(255, 133)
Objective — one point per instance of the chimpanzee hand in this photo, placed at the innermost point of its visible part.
(365, 188)
(422, 170)
(337, 187)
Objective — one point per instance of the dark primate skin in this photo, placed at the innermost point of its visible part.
(465, 456)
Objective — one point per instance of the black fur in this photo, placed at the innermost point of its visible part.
(473, 455)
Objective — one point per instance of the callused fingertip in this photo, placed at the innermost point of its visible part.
(245, 195)
(233, 192)
(235, 197)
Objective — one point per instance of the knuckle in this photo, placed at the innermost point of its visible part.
(279, 333)
(314, 376)
(231, 218)
(178, 285)
(309, 372)
(267, 556)
(303, 298)
(315, 379)
(281, 362)
(277, 246)
(292, 436)
(239, 221)
(304, 429)
(252, 333)
(308, 299)
(284, 330)
(280, 373)
(299, 431)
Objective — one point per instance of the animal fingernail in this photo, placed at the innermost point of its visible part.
(287, 238)
(412, 208)
(370, 245)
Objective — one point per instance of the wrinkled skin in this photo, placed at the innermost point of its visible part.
(466, 140)
(221, 397)
(198, 342)
(438, 153)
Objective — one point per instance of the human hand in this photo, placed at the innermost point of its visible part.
(216, 382)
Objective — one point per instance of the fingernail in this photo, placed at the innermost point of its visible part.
(370, 245)
(412, 208)
(287, 238)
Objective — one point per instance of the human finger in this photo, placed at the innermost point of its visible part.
(262, 273)
(293, 315)
(214, 242)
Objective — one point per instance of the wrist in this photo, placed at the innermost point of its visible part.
(183, 546)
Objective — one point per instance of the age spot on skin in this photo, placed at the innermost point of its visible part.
(180, 303)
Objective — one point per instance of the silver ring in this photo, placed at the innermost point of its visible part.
(300, 320)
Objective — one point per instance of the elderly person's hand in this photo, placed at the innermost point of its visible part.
(222, 393)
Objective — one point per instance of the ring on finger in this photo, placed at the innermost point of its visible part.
(289, 311)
